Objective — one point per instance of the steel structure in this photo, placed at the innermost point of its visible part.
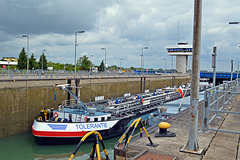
(212, 97)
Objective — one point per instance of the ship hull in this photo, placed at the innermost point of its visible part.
(47, 133)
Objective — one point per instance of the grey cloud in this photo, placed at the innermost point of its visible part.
(122, 26)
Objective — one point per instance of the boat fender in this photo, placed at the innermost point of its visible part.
(85, 119)
(55, 114)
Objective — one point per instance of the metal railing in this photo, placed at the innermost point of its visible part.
(39, 74)
(215, 100)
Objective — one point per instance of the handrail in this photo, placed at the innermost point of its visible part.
(212, 97)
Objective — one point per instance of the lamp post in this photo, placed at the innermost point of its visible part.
(237, 73)
(120, 63)
(231, 69)
(42, 58)
(234, 22)
(214, 56)
(232, 60)
(90, 62)
(27, 49)
(76, 51)
(105, 57)
(192, 144)
(165, 64)
(142, 59)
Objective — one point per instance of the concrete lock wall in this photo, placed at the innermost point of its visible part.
(21, 101)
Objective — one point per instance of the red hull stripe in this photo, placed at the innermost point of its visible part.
(58, 134)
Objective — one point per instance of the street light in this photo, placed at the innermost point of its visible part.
(105, 58)
(27, 49)
(142, 59)
(232, 60)
(120, 64)
(42, 58)
(234, 22)
(90, 62)
(165, 64)
(76, 51)
(231, 69)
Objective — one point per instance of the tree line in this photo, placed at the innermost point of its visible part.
(83, 63)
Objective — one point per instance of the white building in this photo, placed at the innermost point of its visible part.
(181, 51)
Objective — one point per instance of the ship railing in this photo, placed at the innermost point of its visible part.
(69, 102)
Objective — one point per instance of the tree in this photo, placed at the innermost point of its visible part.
(32, 62)
(83, 63)
(101, 67)
(42, 62)
(114, 67)
(69, 67)
(58, 66)
(22, 60)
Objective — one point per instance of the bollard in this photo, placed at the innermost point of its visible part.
(163, 126)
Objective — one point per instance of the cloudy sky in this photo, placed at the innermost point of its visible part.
(123, 27)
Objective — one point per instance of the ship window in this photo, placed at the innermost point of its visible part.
(95, 119)
(102, 118)
(108, 118)
(88, 120)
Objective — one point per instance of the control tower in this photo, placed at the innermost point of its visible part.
(181, 51)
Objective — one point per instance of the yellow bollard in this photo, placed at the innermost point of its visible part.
(163, 126)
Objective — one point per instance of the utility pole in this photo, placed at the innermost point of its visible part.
(231, 69)
(237, 73)
(214, 55)
(75, 68)
(192, 144)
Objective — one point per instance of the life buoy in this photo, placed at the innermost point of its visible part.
(85, 119)
(55, 114)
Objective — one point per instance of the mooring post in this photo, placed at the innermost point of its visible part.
(192, 144)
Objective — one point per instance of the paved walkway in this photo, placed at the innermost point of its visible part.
(217, 145)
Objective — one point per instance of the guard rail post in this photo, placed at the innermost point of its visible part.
(228, 88)
(217, 99)
(206, 112)
(224, 95)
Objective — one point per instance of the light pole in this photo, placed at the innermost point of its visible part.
(214, 56)
(234, 22)
(232, 60)
(142, 59)
(105, 58)
(76, 51)
(237, 73)
(42, 58)
(165, 64)
(90, 62)
(120, 63)
(192, 144)
(231, 69)
(27, 49)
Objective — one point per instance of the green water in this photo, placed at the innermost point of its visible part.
(24, 147)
